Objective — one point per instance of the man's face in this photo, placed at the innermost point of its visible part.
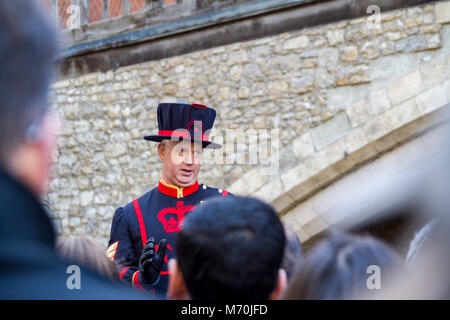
(181, 162)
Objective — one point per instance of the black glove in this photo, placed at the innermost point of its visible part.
(151, 262)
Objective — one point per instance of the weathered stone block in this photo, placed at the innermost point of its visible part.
(295, 176)
(86, 198)
(370, 50)
(365, 153)
(270, 191)
(430, 29)
(359, 112)
(300, 42)
(315, 226)
(376, 128)
(335, 36)
(335, 151)
(350, 53)
(277, 87)
(406, 87)
(250, 182)
(355, 140)
(328, 173)
(436, 71)
(433, 41)
(113, 151)
(331, 130)
(289, 219)
(304, 212)
(402, 114)
(303, 190)
(442, 12)
(74, 222)
(412, 44)
(431, 100)
(324, 79)
(303, 84)
(328, 57)
(303, 146)
(379, 101)
(282, 202)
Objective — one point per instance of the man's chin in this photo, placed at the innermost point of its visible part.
(185, 181)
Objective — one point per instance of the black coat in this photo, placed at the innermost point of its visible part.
(29, 266)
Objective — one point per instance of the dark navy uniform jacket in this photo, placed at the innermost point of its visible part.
(157, 214)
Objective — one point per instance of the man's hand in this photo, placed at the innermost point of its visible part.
(151, 262)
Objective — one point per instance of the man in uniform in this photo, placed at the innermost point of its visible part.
(143, 232)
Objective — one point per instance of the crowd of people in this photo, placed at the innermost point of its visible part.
(229, 247)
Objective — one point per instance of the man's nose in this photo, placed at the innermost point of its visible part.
(189, 158)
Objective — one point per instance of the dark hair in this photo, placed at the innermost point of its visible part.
(231, 248)
(292, 251)
(337, 268)
(27, 48)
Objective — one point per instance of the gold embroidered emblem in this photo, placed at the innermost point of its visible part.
(111, 251)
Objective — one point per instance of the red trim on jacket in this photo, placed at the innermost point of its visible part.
(123, 272)
(198, 105)
(135, 281)
(141, 221)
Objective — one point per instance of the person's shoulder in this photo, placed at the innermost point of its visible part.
(130, 206)
(39, 273)
(212, 191)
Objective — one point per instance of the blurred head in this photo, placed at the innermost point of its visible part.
(27, 130)
(229, 248)
(341, 268)
(86, 252)
(181, 161)
(292, 251)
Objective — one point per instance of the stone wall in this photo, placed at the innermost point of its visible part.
(347, 198)
(294, 82)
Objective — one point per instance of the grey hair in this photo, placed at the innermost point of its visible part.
(28, 47)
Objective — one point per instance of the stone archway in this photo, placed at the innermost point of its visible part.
(396, 125)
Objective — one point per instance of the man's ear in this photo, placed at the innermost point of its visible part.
(32, 160)
(177, 289)
(280, 286)
(161, 150)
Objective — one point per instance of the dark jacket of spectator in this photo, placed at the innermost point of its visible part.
(29, 266)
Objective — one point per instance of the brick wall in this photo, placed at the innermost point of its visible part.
(96, 8)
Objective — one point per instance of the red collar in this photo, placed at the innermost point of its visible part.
(176, 192)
